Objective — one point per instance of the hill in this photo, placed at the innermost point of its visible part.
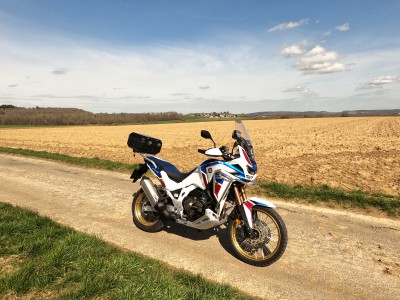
(39, 116)
(321, 114)
(11, 115)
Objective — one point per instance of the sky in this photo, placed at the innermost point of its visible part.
(200, 56)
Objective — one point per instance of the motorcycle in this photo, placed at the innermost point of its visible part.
(210, 195)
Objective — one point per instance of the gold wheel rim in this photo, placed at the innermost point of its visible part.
(140, 216)
(276, 237)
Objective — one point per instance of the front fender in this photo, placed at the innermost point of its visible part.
(261, 202)
(247, 207)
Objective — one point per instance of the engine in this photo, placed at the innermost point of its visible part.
(195, 204)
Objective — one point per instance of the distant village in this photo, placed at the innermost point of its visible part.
(212, 115)
(297, 114)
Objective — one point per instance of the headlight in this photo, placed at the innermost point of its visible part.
(250, 170)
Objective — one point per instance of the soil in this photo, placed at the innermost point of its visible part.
(331, 254)
(359, 153)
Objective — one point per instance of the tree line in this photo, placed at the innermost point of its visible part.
(11, 115)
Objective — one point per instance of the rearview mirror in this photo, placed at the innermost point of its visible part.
(206, 135)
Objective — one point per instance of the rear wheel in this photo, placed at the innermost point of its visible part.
(144, 216)
(267, 242)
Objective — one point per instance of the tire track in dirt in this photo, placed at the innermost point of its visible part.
(331, 254)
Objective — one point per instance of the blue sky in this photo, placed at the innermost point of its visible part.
(200, 56)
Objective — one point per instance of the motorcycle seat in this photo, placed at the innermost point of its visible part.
(171, 170)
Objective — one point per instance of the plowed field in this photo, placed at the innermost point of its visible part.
(351, 153)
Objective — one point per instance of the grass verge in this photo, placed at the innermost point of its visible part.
(80, 161)
(386, 203)
(42, 259)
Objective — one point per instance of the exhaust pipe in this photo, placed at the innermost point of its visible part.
(153, 196)
(150, 191)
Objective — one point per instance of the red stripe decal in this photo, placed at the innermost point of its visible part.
(249, 205)
(217, 188)
(246, 156)
(204, 179)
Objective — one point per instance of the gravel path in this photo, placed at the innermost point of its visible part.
(331, 254)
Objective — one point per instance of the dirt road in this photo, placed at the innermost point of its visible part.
(330, 255)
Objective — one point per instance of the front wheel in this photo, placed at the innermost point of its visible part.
(143, 215)
(265, 244)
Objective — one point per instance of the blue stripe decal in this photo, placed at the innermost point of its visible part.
(153, 168)
(234, 168)
(257, 203)
(260, 203)
(207, 163)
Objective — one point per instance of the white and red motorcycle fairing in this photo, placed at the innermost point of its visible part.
(210, 195)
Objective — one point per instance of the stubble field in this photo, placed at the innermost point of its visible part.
(350, 153)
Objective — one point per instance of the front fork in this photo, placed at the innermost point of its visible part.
(244, 207)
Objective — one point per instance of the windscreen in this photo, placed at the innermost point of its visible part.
(243, 131)
(244, 140)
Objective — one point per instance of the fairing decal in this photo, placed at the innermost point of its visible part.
(153, 167)
(261, 202)
(204, 177)
(218, 184)
(245, 156)
(217, 188)
(248, 208)
(210, 163)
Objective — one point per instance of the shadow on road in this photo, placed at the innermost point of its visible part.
(199, 235)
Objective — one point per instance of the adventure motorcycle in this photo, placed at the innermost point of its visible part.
(208, 196)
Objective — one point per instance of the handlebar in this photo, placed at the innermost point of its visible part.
(225, 153)
(224, 150)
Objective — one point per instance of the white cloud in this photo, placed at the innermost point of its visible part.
(289, 25)
(343, 27)
(378, 82)
(303, 91)
(100, 77)
(316, 60)
(296, 89)
(292, 50)
(316, 51)
(325, 68)
(320, 61)
(167, 76)
(60, 71)
(295, 49)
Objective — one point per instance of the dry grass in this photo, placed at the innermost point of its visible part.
(350, 153)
